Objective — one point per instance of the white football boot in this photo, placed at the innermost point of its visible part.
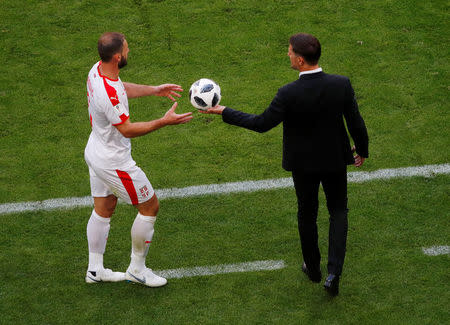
(104, 275)
(145, 277)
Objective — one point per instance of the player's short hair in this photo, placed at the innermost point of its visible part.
(307, 46)
(109, 44)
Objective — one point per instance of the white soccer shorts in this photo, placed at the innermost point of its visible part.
(130, 185)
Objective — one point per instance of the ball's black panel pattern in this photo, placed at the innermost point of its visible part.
(200, 101)
(215, 100)
(206, 88)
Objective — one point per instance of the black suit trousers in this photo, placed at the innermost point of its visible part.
(335, 188)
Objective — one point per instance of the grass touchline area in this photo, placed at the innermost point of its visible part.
(436, 250)
(268, 265)
(232, 187)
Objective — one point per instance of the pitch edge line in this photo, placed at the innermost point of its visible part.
(222, 269)
(436, 250)
(234, 187)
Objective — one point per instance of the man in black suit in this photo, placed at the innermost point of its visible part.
(316, 148)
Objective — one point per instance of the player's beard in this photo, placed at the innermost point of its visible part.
(123, 62)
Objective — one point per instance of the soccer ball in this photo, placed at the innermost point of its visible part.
(204, 94)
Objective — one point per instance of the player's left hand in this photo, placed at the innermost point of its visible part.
(358, 159)
(171, 118)
(168, 90)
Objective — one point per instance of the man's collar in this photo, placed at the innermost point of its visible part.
(310, 71)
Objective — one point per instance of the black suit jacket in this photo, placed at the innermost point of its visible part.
(312, 110)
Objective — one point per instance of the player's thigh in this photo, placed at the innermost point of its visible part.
(104, 200)
(130, 184)
(99, 188)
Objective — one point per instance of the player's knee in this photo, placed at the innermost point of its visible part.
(150, 207)
(156, 207)
(111, 206)
(105, 207)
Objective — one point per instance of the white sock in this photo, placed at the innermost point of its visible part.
(97, 233)
(141, 237)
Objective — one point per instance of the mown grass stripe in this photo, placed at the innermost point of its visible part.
(232, 187)
(269, 265)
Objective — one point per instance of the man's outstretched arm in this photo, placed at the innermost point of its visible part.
(165, 90)
(136, 129)
(263, 122)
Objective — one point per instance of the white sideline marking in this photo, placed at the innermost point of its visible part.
(234, 187)
(222, 269)
(436, 250)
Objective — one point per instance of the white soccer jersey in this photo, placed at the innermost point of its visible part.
(108, 106)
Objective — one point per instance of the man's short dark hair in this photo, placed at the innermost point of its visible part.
(109, 44)
(307, 46)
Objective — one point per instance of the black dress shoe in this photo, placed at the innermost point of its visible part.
(313, 276)
(332, 284)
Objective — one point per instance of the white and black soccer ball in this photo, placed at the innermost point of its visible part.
(204, 94)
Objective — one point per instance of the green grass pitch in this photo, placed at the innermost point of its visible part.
(396, 54)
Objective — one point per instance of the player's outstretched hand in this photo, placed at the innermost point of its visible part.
(358, 159)
(168, 90)
(171, 118)
(213, 110)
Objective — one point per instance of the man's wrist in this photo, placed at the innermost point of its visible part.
(151, 90)
(162, 122)
(220, 109)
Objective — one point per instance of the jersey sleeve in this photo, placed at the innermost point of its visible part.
(115, 111)
(117, 114)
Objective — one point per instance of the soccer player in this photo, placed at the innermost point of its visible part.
(113, 172)
(316, 149)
